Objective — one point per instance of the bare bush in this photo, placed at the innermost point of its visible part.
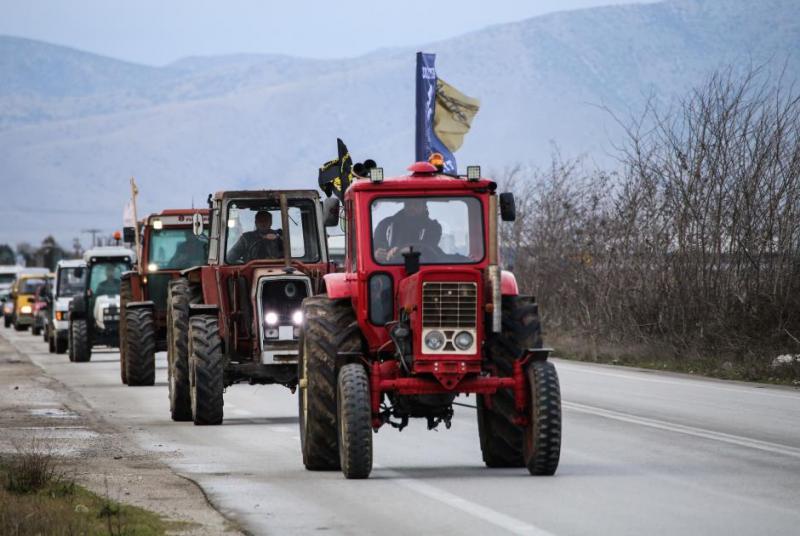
(695, 247)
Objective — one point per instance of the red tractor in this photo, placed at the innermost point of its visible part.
(168, 244)
(421, 314)
(237, 318)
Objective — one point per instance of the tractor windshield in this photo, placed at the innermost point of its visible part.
(254, 230)
(176, 249)
(106, 276)
(29, 286)
(70, 281)
(445, 230)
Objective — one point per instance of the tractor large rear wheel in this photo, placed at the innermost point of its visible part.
(501, 439)
(354, 418)
(180, 295)
(329, 327)
(80, 346)
(125, 295)
(140, 351)
(542, 442)
(206, 370)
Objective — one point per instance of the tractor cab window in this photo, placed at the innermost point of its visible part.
(70, 281)
(105, 277)
(176, 249)
(445, 230)
(29, 286)
(254, 231)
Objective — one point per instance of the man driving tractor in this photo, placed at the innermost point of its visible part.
(261, 243)
(409, 227)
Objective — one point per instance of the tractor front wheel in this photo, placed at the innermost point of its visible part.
(180, 295)
(206, 370)
(125, 295)
(140, 350)
(80, 348)
(354, 417)
(329, 327)
(51, 343)
(542, 440)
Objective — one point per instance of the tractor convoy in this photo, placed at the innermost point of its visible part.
(409, 310)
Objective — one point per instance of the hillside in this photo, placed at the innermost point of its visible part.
(75, 126)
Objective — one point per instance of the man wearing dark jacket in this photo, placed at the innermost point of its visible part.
(262, 243)
(410, 227)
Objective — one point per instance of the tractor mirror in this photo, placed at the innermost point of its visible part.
(197, 224)
(508, 209)
(330, 211)
(128, 235)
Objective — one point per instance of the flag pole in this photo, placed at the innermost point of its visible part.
(134, 193)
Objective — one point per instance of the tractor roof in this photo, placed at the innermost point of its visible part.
(424, 180)
(180, 212)
(265, 194)
(71, 263)
(108, 252)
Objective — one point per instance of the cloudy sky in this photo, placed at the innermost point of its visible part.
(157, 32)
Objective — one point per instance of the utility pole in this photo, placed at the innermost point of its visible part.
(92, 232)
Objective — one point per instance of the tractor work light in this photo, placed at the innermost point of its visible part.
(434, 340)
(152, 267)
(376, 175)
(158, 224)
(473, 173)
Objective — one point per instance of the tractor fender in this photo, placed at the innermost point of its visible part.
(139, 305)
(338, 285)
(508, 284)
(77, 307)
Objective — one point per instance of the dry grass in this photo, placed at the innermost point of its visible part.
(36, 498)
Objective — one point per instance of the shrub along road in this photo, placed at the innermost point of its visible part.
(643, 453)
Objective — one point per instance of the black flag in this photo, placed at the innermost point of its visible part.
(335, 175)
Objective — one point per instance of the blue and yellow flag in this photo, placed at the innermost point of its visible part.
(444, 114)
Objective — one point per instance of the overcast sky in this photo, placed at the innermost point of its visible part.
(157, 32)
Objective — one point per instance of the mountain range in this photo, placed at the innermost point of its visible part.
(75, 126)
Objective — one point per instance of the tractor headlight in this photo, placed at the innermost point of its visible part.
(463, 340)
(26, 309)
(152, 267)
(297, 318)
(434, 340)
(271, 318)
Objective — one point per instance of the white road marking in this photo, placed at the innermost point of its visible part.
(498, 519)
(731, 439)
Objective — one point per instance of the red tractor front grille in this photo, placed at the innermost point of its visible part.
(449, 305)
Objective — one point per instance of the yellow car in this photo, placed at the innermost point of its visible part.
(22, 296)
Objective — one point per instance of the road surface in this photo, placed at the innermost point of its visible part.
(643, 453)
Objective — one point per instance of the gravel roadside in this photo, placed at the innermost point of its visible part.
(97, 454)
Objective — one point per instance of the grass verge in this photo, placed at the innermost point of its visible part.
(37, 498)
(748, 367)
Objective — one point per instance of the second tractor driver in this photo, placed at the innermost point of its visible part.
(261, 243)
(411, 226)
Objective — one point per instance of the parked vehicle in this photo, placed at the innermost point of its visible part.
(421, 314)
(8, 275)
(94, 313)
(168, 245)
(237, 318)
(69, 281)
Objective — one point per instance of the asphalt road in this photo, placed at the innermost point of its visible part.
(643, 453)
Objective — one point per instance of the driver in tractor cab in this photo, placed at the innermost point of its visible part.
(261, 243)
(110, 285)
(410, 226)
